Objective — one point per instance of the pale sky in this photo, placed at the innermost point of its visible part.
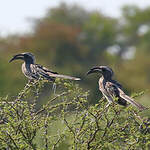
(14, 14)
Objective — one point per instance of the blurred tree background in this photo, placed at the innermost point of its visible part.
(70, 40)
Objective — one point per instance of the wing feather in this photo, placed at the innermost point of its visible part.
(112, 89)
(116, 91)
(131, 100)
(51, 75)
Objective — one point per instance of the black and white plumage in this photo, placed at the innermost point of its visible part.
(34, 71)
(112, 89)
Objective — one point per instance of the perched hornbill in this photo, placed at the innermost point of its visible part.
(34, 71)
(111, 89)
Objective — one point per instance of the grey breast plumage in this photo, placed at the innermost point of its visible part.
(34, 71)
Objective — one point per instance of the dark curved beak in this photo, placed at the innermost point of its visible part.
(18, 56)
(94, 70)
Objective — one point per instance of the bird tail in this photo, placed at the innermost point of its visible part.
(132, 101)
(64, 77)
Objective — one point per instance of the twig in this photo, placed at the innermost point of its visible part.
(67, 124)
(44, 108)
(54, 146)
(12, 140)
(46, 131)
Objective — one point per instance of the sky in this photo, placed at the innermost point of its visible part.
(16, 15)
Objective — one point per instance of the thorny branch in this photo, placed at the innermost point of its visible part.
(55, 144)
(46, 131)
(53, 99)
(12, 140)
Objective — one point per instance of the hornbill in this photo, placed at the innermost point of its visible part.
(34, 71)
(111, 89)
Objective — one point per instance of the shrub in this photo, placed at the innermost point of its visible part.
(67, 121)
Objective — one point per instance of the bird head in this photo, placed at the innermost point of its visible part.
(106, 71)
(27, 57)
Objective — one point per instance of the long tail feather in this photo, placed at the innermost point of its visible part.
(132, 101)
(64, 77)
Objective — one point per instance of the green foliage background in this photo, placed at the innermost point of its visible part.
(71, 40)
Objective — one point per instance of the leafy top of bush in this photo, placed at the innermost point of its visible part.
(67, 121)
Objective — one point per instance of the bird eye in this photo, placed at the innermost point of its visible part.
(103, 69)
(26, 56)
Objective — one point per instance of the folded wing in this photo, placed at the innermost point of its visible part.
(48, 74)
(112, 89)
(131, 100)
(116, 91)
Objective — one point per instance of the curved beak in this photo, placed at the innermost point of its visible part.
(18, 56)
(94, 70)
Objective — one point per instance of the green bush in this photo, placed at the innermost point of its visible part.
(67, 122)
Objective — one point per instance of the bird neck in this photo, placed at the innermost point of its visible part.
(29, 61)
(107, 77)
(26, 65)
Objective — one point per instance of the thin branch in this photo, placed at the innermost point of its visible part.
(12, 140)
(55, 144)
(53, 99)
(46, 131)
(67, 124)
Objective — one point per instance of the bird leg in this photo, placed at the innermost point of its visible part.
(29, 82)
(109, 103)
(54, 88)
(103, 98)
